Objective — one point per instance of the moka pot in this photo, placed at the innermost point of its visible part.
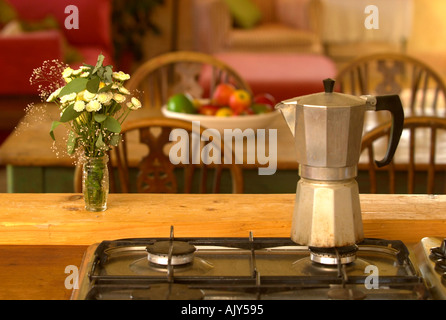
(327, 129)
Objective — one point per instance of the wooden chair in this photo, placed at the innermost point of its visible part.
(189, 72)
(421, 146)
(155, 172)
(421, 88)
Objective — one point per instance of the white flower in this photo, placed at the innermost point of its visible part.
(53, 95)
(121, 76)
(93, 105)
(105, 97)
(85, 74)
(80, 95)
(119, 98)
(88, 96)
(79, 106)
(68, 97)
(67, 73)
(134, 104)
(123, 90)
(77, 72)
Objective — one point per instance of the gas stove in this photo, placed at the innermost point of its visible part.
(259, 268)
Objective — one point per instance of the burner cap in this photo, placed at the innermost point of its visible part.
(182, 252)
(333, 256)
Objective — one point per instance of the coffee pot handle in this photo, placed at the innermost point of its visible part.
(393, 104)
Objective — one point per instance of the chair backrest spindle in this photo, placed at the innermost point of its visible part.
(417, 128)
(155, 172)
(421, 88)
(190, 72)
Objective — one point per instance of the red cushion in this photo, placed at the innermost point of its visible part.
(283, 75)
(20, 55)
(94, 18)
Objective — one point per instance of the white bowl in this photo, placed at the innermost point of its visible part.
(256, 121)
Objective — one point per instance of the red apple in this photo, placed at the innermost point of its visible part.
(208, 109)
(222, 93)
(240, 100)
(265, 98)
(246, 112)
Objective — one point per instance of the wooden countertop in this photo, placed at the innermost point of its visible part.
(31, 272)
(42, 234)
(60, 219)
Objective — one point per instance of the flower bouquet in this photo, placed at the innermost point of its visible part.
(93, 103)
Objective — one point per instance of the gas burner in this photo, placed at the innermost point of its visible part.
(439, 253)
(179, 253)
(440, 266)
(333, 256)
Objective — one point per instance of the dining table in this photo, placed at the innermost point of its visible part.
(36, 163)
(43, 236)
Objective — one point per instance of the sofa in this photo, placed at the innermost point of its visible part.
(22, 51)
(256, 26)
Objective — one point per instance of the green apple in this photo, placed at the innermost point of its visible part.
(181, 103)
(259, 108)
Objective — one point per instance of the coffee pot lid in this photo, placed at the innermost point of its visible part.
(328, 98)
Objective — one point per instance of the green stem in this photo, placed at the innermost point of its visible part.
(95, 183)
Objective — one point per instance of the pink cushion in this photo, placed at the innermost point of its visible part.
(283, 75)
(271, 37)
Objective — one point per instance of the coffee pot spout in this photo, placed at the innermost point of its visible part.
(288, 110)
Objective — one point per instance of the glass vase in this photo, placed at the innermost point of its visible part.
(95, 183)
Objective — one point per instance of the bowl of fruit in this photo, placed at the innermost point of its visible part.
(228, 108)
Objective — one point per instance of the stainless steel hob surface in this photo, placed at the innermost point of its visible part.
(254, 268)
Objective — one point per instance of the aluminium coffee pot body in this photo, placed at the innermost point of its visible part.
(327, 129)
